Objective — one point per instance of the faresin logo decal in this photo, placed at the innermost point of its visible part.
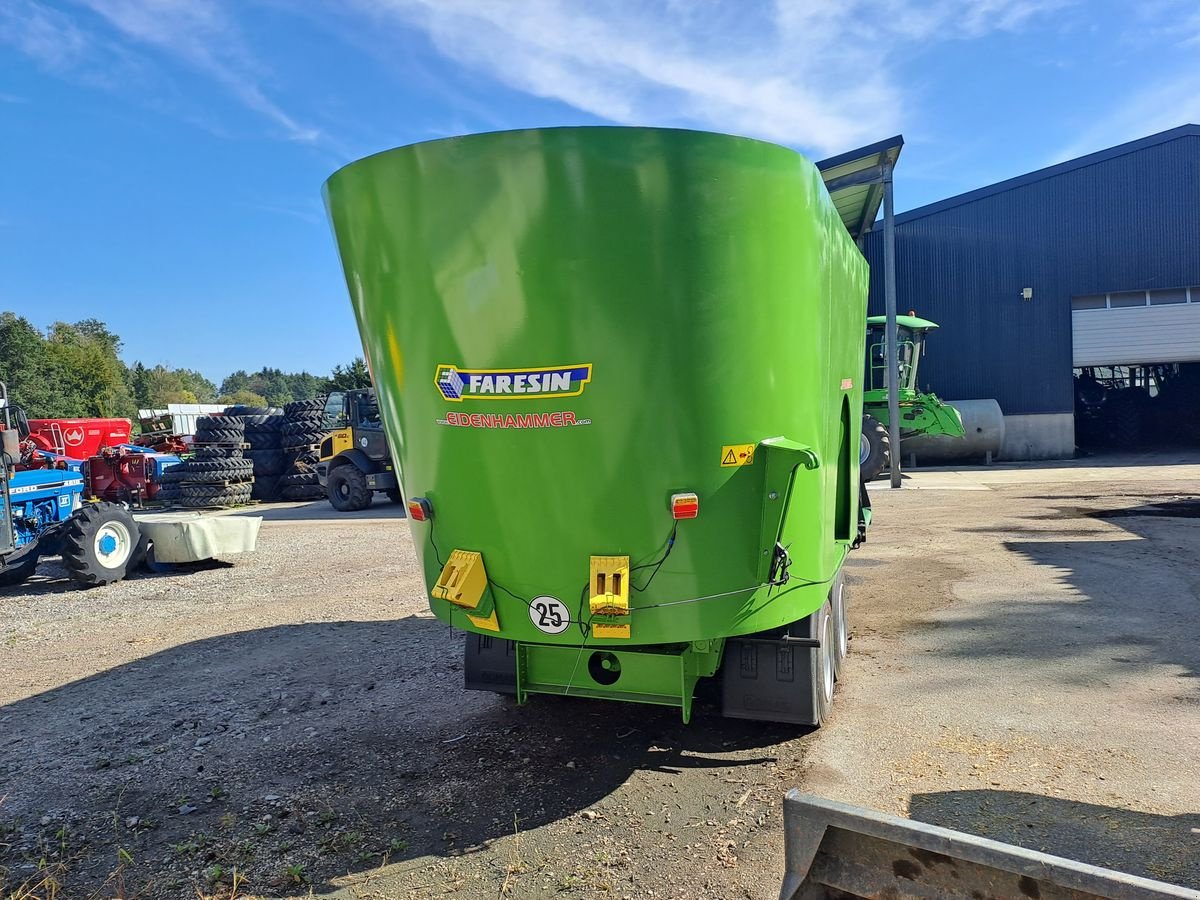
(512, 384)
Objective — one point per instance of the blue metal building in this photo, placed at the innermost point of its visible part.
(1114, 236)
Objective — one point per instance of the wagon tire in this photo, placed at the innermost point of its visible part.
(821, 663)
(841, 627)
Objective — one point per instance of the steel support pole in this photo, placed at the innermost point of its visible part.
(889, 296)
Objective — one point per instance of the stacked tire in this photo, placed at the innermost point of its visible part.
(301, 433)
(217, 474)
(265, 448)
(170, 485)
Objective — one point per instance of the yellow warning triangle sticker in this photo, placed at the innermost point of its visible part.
(729, 459)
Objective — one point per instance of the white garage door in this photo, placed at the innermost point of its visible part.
(1136, 327)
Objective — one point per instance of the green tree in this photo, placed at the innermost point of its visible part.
(139, 385)
(243, 398)
(84, 359)
(275, 385)
(178, 386)
(26, 368)
(350, 377)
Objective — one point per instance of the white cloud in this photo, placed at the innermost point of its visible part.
(1165, 104)
(813, 73)
(195, 33)
(46, 35)
(198, 33)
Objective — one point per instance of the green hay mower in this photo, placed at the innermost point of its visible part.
(920, 412)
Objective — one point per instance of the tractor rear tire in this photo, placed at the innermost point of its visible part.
(220, 436)
(220, 423)
(264, 440)
(209, 470)
(173, 475)
(267, 462)
(99, 543)
(199, 495)
(875, 449)
(303, 427)
(348, 491)
(265, 487)
(300, 408)
(246, 412)
(11, 576)
(205, 453)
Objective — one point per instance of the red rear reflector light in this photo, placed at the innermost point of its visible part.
(419, 509)
(685, 506)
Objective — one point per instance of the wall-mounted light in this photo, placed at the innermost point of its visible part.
(1026, 293)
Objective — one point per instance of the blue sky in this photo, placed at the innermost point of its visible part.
(162, 159)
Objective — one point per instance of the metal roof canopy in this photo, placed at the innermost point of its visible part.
(858, 181)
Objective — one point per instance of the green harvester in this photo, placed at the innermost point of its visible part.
(620, 372)
(921, 412)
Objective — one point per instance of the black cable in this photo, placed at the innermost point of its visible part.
(583, 626)
(656, 565)
(433, 544)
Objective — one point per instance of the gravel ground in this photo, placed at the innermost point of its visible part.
(298, 718)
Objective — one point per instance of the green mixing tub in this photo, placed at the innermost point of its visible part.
(620, 372)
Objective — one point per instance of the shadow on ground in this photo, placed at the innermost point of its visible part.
(1099, 835)
(309, 751)
(323, 511)
(1130, 604)
(1165, 456)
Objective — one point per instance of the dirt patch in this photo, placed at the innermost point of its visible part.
(296, 723)
(280, 725)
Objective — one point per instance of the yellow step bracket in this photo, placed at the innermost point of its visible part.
(611, 630)
(463, 580)
(609, 589)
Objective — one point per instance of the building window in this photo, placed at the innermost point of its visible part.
(1126, 298)
(1174, 295)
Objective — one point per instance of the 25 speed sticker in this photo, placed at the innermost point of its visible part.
(549, 615)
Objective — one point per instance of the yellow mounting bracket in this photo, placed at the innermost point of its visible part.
(609, 596)
(609, 591)
(464, 583)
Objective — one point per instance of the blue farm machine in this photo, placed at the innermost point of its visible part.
(44, 514)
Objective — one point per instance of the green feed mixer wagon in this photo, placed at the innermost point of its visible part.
(620, 370)
(921, 412)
